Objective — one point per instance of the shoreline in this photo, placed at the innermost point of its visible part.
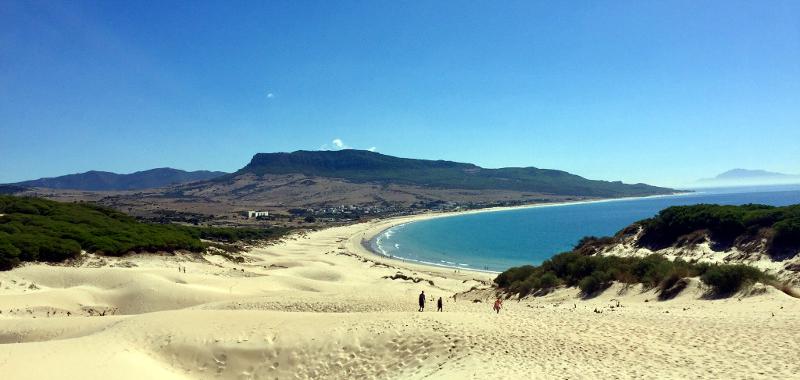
(394, 222)
(318, 304)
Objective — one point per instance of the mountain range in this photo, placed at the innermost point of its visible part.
(107, 181)
(317, 182)
(361, 166)
(738, 177)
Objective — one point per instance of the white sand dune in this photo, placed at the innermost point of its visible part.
(319, 306)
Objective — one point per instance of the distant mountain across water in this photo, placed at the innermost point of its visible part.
(107, 181)
(746, 177)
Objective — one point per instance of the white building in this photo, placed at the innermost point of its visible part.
(256, 214)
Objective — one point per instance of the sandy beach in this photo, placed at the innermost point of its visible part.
(395, 190)
(318, 305)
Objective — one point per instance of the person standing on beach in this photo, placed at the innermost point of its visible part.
(498, 304)
(422, 301)
(439, 304)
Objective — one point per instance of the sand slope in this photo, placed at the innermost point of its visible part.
(319, 306)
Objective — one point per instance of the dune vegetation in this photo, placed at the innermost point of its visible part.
(34, 229)
(773, 229)
(593, 274)
(726, 226)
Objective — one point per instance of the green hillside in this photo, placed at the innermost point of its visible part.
(34, 229)
(366, 166)
(106, 181)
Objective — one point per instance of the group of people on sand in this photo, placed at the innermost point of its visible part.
(498, 303)
(439, 302)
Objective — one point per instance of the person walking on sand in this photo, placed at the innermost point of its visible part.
(422, 301)
(439, 304)
(498, 304)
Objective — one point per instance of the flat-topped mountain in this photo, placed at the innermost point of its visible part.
(345, 185)
(736, 177)
(747, 173)
(107, 181)
(362, 166)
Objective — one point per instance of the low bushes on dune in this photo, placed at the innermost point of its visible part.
(728, 279)
(227, 234)
(595, 282)
(726, 226)
(592, 274)
(671, 286)
(34, 229)
(776, 230)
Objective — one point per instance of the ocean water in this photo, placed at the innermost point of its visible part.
(498, 240)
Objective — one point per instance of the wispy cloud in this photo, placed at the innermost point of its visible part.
(270, 95)
(373, 149)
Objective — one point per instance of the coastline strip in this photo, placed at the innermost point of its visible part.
(369, 239)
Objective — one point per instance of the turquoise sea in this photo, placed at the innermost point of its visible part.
(498, 240)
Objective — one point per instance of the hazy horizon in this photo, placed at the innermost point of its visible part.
(659, 93)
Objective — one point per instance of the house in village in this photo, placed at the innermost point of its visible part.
(257, 214)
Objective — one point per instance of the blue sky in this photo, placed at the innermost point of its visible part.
(642, 91)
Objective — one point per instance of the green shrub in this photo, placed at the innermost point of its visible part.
(726, 225)
(595, 282)
(34, 229)
(787, 234)
(228, 234)
(526, 286)
(593, 274)
(548, 281)
(671, 286)
(9, 255)
(728, 279)
(55, 250)
(651, 270)
(513, 275)
(669, 281)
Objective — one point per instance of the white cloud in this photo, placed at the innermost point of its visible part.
(337, 144)
(270, 95)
